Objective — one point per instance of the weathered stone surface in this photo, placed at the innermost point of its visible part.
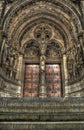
(33, 114)
(42, 126)
(59, 109)
(19, 21)
(19, 18)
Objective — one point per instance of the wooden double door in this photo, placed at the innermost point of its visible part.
(32, 80)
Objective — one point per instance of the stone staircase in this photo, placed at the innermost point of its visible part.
(42, 114)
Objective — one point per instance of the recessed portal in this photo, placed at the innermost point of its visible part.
(32, 82)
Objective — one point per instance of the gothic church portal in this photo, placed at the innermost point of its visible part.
(42, 62)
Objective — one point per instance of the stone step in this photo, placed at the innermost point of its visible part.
(42, 126)
(37, 109)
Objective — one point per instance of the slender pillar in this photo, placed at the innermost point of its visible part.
(42, 90)
(2, 47)
(65, 73)
(19, 69)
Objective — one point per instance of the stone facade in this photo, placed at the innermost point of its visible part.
(42, 32)
(63, 21)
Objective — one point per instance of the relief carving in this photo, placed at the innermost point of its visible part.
(75, 65)
(2, 84)
(5, 54)
(9, 61)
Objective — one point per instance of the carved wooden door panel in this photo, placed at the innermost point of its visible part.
(31, 84)
(53, 80)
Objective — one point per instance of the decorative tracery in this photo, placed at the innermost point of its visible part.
(31, 49)
(43, 32)
(53, 50)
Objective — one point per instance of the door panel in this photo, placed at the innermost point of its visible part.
(31, 84)
(53, 80)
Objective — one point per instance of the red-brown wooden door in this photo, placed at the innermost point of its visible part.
(53, 80)
(31, 85)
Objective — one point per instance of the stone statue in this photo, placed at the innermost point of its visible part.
(42, 62)
(75, 64)
(42, 48)
(15, 61)
(70, 66)
(5, 54)
(80, 62)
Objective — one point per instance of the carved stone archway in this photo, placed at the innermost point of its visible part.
(24, 24)
(45, 50)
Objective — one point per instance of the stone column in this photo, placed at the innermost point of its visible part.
(42, 90)
(2, 47)
(1, 39)
(65, 73)
(81, 41)
(19, 69)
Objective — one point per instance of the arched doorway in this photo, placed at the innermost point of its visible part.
(42, 73)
